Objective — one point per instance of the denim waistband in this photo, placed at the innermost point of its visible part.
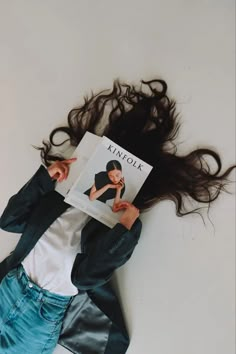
(38, 293)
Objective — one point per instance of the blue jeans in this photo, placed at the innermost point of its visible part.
(30, 317)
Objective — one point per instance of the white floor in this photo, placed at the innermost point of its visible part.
(178, 290)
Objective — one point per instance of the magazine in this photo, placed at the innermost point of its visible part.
(82, 152)
(103, 175)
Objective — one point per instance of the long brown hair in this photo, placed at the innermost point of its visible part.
(144, 121)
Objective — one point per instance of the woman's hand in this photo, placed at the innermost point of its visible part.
(117, 186)
(121, 184)
(59, 170)
(130, 214)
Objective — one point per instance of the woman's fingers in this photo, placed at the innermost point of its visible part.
(115, 209)
(122, 205)
(63, 171)
(122, 182)
(68, 161)
(59, 170)
(125, 204)
(129, 216)
(66, 169)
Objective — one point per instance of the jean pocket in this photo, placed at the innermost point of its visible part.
(12, 273)
(50, 312)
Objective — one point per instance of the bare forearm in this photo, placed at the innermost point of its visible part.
(117, 198)
(98, 193)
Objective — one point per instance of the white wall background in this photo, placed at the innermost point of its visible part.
(177, 291)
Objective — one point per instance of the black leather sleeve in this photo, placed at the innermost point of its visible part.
(20, 205)
(113, 249)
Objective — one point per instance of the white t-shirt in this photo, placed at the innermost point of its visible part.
(49, 263)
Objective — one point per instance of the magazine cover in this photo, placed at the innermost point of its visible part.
(110, 175)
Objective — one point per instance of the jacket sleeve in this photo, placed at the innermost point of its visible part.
(20, 205)
(96, 268)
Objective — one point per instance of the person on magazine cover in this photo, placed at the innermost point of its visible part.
(55, 285)
(108, 184)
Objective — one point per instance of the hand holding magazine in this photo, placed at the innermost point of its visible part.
(103, 175)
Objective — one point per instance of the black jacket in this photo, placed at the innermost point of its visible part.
(93, 323)
(100, 180)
